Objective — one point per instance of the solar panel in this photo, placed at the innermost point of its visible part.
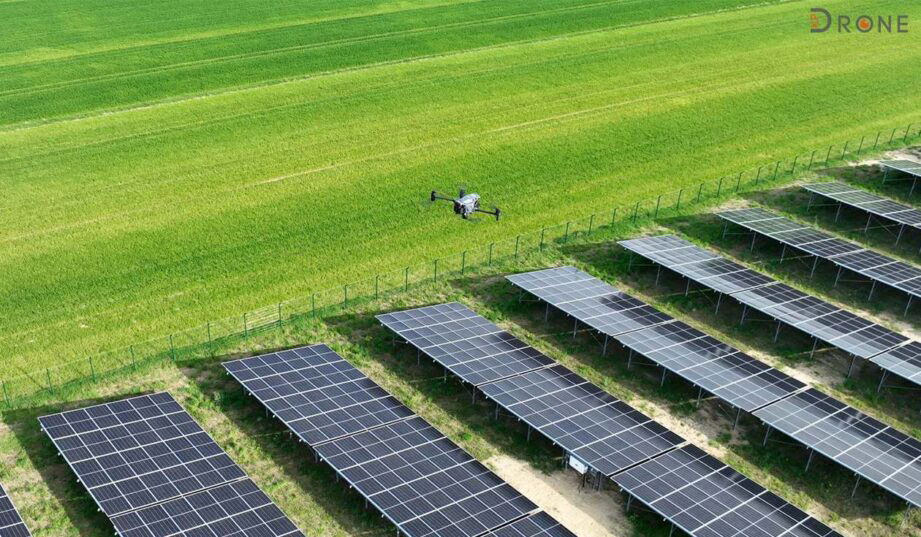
(461, 346)
(11, 524)
(718, 368)
(833, 187)
(813, 316)
(858, 442)
(536, 525)
(705, 498)
(906, 166)
(592, 425)
(423, 482)
(904, 361)
(237, 509)
(877, 267)
(746, 216)
(136, 452)
(316, 393)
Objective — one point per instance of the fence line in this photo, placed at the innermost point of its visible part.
(199, 342)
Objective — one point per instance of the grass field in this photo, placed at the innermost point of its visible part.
(167, 163)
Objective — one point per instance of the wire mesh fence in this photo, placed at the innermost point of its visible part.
(199, 342)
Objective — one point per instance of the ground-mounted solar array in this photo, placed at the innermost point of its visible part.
(11, 524)
(907, 168)
(706, 498)
(726, 372)
(859, 337)
(884, 209)
(753, 386)
(155, 473)
(421, 481)
(871, 449)
(876, 267)
(604, 433)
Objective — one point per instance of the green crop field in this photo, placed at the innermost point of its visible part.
(165, 163)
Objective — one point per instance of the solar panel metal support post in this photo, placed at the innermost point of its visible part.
(767, 434)
(838, 212)
(856, 484)
(882, 381)
(815, 263)
(809, 460)
(783, 252)
(604, 346)
(735, 422)
(744, 311)
(664, 375)
(815, 344)
(850, 367)
(872, 288)
(719, 300)
(907, 305)
(777, 332)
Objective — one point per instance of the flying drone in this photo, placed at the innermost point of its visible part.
(466, 204)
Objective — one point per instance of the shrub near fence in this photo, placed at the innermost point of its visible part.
(199, 342)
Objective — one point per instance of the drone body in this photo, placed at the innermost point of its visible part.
(466, 204)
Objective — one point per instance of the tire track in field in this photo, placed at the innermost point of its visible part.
(705, 75)
(390, 84)
(376, 65)
(227, 32)
(311, 46)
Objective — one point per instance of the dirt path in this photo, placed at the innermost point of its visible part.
(587, 513)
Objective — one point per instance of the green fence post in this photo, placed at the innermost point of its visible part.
(541, 247)
(210, 344)
(591, 223)
(489, 261)
(279, 313)
(811, 159)
(827, 155)
(891, 136)
(313, 304)
(566, 235)
(908, 128)
(844, 151)
(48, 376)
(172, 349)
(377, 286)
(436, 271)
(738, 182)
(636, 210)
(793, 168)
(859, 147)
(613, 216)
(134, 361)
(345, 295)
(700, 191)
(719, 188)
(517, 242)
(658, 202)
(6, 396)
(776, 167)
(406, 279)
(245, 327)
(92, 370)
(758, 177)
(463, 261)
(678, 202)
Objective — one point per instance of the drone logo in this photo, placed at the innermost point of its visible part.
(821, 20)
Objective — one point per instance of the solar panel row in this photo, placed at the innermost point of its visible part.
(415, 476)
(891, 351)
(155, 473)
(700, 359)
(591, 425)
(908, 167)
(885, 209)
(11, 524)
(877, 268)
(612, 438)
